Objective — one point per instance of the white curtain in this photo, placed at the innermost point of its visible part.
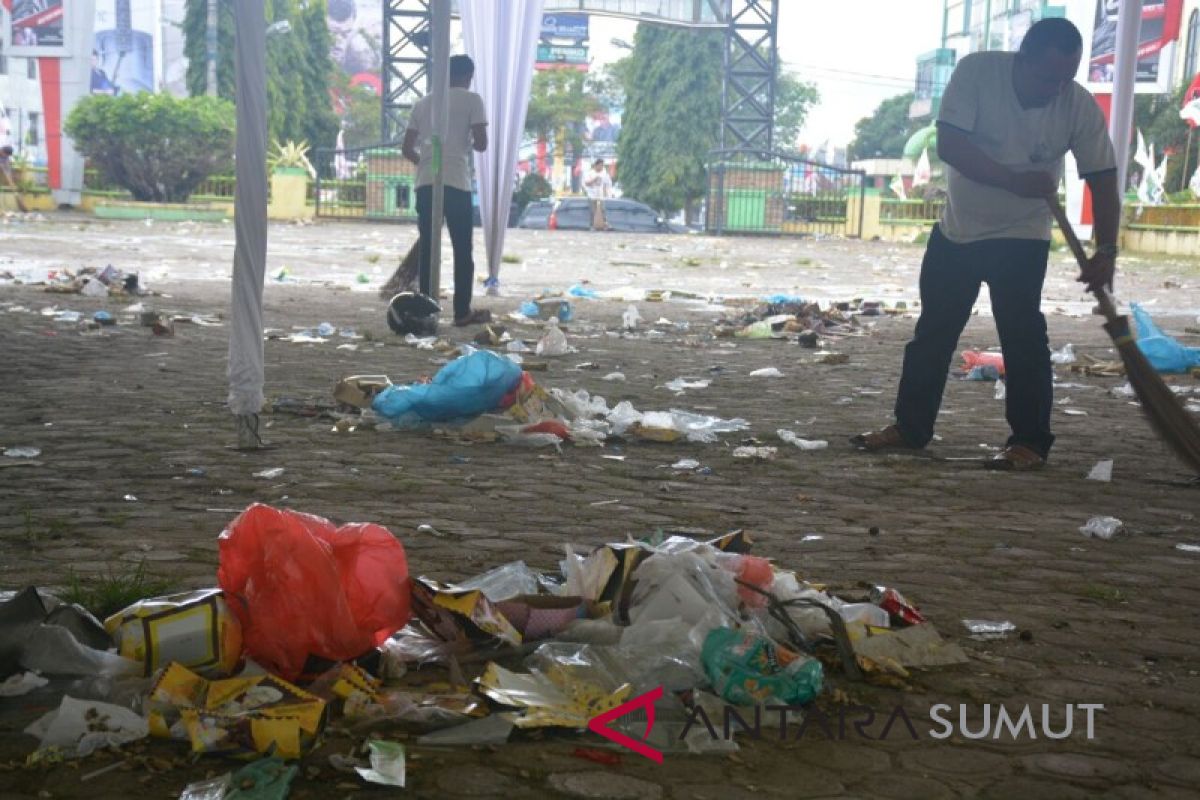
(1120, 121)
(250, 210)
(502, 39)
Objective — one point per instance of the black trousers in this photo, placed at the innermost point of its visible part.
(459, 217)
(951, 274)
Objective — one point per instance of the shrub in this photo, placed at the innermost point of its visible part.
(158, 147)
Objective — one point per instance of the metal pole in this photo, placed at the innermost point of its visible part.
(440, 51)
(1120, 126)
(210, 46)
(1187, 151)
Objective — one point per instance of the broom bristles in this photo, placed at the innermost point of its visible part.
(1163, 408)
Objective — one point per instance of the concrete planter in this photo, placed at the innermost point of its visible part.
(165, 212)
(289, 194)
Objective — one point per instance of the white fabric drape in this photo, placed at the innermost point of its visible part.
(1120, 121)
(502, 39)
(250, 210)
(439, 73)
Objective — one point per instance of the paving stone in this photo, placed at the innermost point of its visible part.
(604, 786)
(898, 786)
(476, 782)
(1094, 770)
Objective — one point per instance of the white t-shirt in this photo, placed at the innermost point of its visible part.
(597, 185)
(465, 108)
(981, 101)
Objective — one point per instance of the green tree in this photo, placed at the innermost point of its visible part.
(672, 118)
(158, 147)
(671, 83)
(793, 99)
(559, 101)
(1157, 117)
(299, 69)
(883, 134)
(359, 108)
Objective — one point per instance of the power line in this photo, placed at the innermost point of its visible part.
(834, 70)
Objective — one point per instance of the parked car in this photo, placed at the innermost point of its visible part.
(536, 215)
(624, 216)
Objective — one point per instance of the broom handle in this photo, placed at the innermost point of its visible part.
(1060, 216)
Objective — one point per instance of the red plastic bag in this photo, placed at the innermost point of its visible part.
(975, 358)
(302, 587)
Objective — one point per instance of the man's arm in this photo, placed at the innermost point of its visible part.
(479, 137)
(409, 148)
(1106, 207)
(957, 150)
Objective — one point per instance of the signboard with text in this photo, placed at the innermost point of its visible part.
(562, 54)
(1156, 45)
(565, 26)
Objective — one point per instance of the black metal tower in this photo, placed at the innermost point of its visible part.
(405, 61)
(751, 68)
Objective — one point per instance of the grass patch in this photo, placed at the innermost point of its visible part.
(803, 262)
(690, 262)
(508, 259)
(373, 258)
(105, 595)
(1104, 594)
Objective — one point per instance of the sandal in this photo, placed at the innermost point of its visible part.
(888, 438)
(477, 317)
(1016, 458)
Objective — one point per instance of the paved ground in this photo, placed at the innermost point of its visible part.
(125, 413)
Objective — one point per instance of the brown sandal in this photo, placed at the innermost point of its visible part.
(888, 438)
(1016, 458)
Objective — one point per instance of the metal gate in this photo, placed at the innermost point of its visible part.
(373, 183)
(767, 192)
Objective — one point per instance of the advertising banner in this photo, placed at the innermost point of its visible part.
(1156, 47)
(123, 60)
(37, 28)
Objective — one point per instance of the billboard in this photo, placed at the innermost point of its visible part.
(356, 27)
(1156, 45)
(37, 28)
(565, 26)
(123, 47)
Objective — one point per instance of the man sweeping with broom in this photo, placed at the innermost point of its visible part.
(1006, 121)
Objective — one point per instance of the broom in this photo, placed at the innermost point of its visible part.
(1163, 408)
(405, 276)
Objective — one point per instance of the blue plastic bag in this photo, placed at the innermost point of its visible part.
(466, 387)
(1163, 352)
(529, 308)
(780, 299)
(579, 290)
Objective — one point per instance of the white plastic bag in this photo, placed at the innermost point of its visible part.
(80, 727)
(631, 318)
(553, 341)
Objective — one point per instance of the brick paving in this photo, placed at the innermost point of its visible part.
(1111, 622)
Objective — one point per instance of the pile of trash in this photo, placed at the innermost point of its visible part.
(312, 622)
(87, 281)
(485, 397)
(791, 317)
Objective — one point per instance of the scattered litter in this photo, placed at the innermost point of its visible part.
(974, 358)
(195, 629)
(20, 683)
(804, 444)
(1188, 548)
(686, 464)
(1163, 352)
(1000, 390)
(1064, 356)
(758, 453)
(985, 630)
(614, 376)
(553, 342)
(680, 385)
(387, 763)
(1102, 471)
(23, 452)
(766, 372)
(93, 287)
(630, 318)
(1075, 412)
(269, 474)
(78, 728)
(1102, 528)
(429, 530)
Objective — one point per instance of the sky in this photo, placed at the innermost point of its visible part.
(857, 52)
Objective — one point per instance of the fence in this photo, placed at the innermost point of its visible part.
(375, 183)
(760, 192)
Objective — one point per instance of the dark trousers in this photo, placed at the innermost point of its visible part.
(1014, 270)
(458, 214)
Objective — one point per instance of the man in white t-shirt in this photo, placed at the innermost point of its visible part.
(1006, 121)
(466, 130)
(597, 185)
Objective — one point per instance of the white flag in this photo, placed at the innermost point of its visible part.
(923, 171)
(1194, 183)
(1190, 113)
(1141, 156)
(897, 187)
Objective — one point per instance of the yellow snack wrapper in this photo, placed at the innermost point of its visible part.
(195, 629)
